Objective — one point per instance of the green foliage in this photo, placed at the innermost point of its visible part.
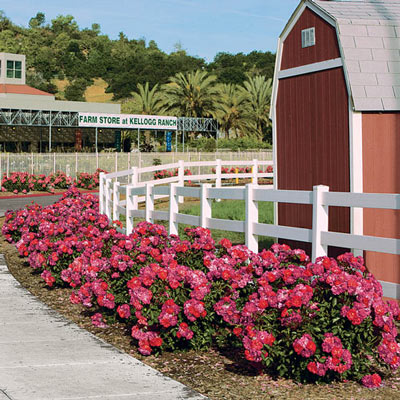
(234, 88)
(233, 68)
(192, 94)
(147, 101)
(76, 89)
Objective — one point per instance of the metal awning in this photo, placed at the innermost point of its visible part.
(19, 117)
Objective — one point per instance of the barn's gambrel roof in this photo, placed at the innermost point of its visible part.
(369, 36)
(369, 39)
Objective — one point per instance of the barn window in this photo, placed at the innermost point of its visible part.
(308, 37)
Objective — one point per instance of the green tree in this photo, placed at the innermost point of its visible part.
(232, 113)
(36, 22)
(193, 94)
(75, 91)
(147, 101)
(257, 93)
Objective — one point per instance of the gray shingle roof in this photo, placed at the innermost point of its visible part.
(369, 34)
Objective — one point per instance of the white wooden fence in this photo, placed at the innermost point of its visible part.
(320, 198)
(74, 163)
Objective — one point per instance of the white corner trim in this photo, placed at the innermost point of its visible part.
(297, 13)
(292, 21)
(391, 289)
(309, 68)
(356, 170)
(321, 13)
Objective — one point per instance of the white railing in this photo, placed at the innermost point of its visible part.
(320, 198)
(114, 184)
(74, 163)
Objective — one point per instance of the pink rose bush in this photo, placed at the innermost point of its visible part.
(313, 322)
(243, 170)
(162, 174)
(88, 181)
(23, 182)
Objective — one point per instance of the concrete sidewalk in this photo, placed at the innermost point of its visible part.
(21, 202)
(43, 356)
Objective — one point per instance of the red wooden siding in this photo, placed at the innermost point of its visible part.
(313, 143)
(381, 174)
(325, 48)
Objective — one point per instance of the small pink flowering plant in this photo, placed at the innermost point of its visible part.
(313, 322)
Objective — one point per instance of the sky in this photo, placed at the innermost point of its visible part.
(201, 27)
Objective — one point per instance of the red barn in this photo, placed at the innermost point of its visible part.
(336, 116)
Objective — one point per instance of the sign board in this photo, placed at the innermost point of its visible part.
(127, 121)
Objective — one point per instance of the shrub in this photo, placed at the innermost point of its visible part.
(88, 181)
(313, 322)
(24, 182)
(60, 180)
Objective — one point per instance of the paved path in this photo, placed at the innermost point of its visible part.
(43, 356)
(21, 202)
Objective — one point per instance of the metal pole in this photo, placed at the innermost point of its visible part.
(50, 134)
(183, 139)
(138, 139)
(176, 140)
(96, 140)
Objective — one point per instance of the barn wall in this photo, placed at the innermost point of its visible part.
(381, 174)
(326, 46)
(313, 144)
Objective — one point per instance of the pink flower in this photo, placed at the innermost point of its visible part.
(371, 381)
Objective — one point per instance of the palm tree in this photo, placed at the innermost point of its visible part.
(193, 94)
(257, 91)
(146, 101)
(231, 112)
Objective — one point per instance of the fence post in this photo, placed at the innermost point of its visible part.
(32, 164)
(199, 160)
(97, 160)
(320, 221)
(101, 192)
(205, 204)
(181, 174)
(173, 209)
(76, 165)
(218, 172)
(115, 201)
(149, 203)
(129, 207)
(8, 164)
(251, 218)
(107, 198)
(54, 163)
(254, 179)
(135, 181)
(116, 161)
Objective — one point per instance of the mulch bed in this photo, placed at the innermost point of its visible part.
(220, 375)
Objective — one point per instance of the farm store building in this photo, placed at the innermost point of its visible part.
(336, 116)
(26, 113)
